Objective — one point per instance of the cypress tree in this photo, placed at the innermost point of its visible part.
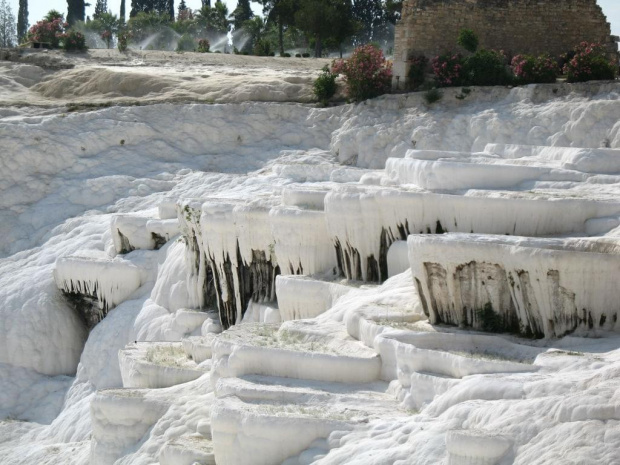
(22, 20)
(76, 11)
(122, 14)
(242, 13)
(171, 9)
(101, 7)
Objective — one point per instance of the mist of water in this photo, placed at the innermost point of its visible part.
(164, 39)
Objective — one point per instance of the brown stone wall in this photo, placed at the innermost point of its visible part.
(431, 27)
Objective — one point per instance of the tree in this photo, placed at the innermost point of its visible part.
(101, 7)
(157, 6)
(213, 20)
(242, 13)
(393, 9)
(255, 29)
(369, 13)
(346, 26)
(22, 20)
(76, 11)
(8, 37)
(106, 25)
(281, 13)
(322, 19)
(182, 8)
(171, 9)
(122, 12)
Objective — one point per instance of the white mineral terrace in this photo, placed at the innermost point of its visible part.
(275, 283)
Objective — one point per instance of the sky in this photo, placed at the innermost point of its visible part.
(38, 8)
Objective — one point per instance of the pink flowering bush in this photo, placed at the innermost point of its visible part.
(529, 69)
(367, 74)
(448, 69)
(106, 36)
(48, 31)
(589, 63)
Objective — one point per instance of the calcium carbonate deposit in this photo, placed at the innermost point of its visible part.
(262, 281)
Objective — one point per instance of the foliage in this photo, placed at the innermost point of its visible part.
(486, 68)
(529, 69)
(73, 41)
(262, 48)
(432, 95)
(144, 24)
(369, 15)
(417, 71)
(468, 40)
(186, 43)
(242, 13)
(22, 21)
(162, 7)
(101, 7)
(106, 25)
(367, 73)
(213, 20)
(203, 46)
(8, 37)
(123, 40)
(49, 29)
(325, 86)
(121, 18)
(321, 19)
(590, 63)
(52, 15)
(448, 69)
(255, 29)
(76, 11)
(183, 11)
(280, 14)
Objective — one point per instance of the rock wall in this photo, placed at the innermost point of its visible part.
(431, 27)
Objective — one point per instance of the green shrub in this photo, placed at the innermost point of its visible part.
(417, 71)
(298, 55)
(262, 48)
(204, 46)
(186, 43)
(325, 86)
(590, 63)
(486, 68)
(432, 95)
(123, 40)
(305, 55)
(468, 40)
(73, 41)
(529, 69)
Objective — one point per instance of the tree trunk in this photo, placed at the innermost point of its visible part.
(318, 47)
(281, 35)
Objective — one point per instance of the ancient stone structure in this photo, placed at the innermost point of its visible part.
(431, 27)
